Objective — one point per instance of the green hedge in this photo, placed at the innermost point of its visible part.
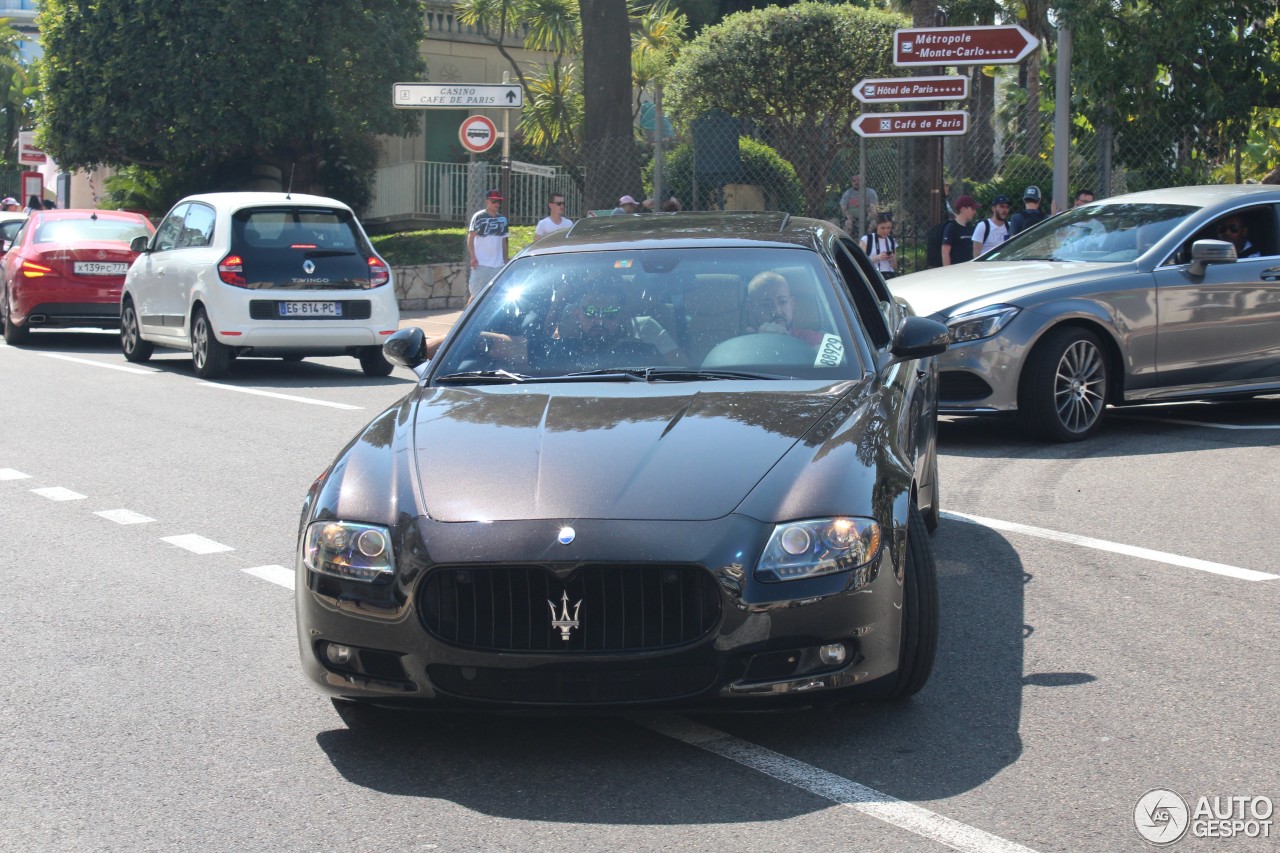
(439, 246)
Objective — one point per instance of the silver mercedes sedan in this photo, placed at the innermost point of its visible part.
(1169, 294)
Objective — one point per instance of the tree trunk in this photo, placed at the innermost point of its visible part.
(612, 164)
(922, 189)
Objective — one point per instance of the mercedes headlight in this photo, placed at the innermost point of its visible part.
(818, 546)
(350, 550)
(983, 323)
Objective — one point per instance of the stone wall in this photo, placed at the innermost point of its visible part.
(431, 286)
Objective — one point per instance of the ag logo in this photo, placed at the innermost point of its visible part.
(1161, 816)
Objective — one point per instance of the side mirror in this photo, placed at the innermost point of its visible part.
(919, 337)
(1205, 252)
(140, 243)
(407, 347)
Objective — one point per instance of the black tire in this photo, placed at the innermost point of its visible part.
(933, 514)
(919, 641)
(1063, 391)
(135, 349)
(13, 333)
(210, 357)
(374, 363)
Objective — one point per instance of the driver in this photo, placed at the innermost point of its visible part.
(770, 308)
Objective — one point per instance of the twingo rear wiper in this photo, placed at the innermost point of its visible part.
(482, 377)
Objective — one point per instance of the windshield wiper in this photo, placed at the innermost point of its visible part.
(482, 377)
(661, 374)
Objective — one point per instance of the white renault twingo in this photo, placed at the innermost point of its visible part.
(258, 274)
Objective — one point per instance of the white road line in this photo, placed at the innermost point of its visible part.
(11, 474)
(1201, 423)
(837, 789)
(276, 574)
(124, 516)
(289, 397)
(196, 544)
(146, 371)
(57, 493)
(1116, 548)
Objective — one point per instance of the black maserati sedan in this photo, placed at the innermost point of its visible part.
(674, 460)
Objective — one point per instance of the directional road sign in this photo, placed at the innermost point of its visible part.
(533, 169)
(477, 134)
(452, 96)
(896, 90)
(962, 46)
(945, 123)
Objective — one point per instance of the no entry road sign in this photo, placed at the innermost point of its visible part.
(896, 90)
(943, 123)
(477, 134)
(452, 96)
(962, 46)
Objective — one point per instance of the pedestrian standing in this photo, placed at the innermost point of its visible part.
(855, 218)
(555, 220)
(33, 205)
(957, 236)
(881, 246)
(994, 230)
(486, 243)
(1024, 219)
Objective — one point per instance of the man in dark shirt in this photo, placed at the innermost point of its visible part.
(1024, 219)
(957, 237)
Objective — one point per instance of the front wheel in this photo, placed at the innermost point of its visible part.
(13, 333)
(374, 363)
(1063, 390)
(131, 343)
(210, 357)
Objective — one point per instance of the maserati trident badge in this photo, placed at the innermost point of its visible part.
(308, 266)
(564, 621)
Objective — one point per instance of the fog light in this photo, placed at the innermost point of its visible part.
(832, 654)
(337, 654)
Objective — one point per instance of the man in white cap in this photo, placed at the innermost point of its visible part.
(11, 205)
(626, 204)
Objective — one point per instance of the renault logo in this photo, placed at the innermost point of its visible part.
(308, 266)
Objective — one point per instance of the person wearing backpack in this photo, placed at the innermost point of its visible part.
(957, 236)
(993, 231)
(1024, 219)
(881, 246)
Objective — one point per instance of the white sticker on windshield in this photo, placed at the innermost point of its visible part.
(830, 352)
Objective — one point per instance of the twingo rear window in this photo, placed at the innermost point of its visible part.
(296, 228)
(86, 230)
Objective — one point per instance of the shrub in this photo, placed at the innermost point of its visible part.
(761, 166)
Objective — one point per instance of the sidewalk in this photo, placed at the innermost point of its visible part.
(435, 323)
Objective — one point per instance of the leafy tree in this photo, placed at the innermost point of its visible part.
(761, 166)
(214, 89)
(791, 71)
(18, 89)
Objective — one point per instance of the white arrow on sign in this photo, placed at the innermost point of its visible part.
(452, 96)
(533, 169)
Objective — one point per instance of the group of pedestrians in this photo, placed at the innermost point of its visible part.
(963, 241)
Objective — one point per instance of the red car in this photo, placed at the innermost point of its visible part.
(66, 269)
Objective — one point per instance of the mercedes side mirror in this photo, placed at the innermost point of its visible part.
(1205, 252)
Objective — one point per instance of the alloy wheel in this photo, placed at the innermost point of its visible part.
(1080, 386)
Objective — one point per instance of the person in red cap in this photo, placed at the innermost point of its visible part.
(486, 243)
(957, 237)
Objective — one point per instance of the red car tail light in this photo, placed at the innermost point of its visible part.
(231, 271)
(378, 272)
(34, 270)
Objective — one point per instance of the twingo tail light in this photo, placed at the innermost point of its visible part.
(231, 271)
(378, 272)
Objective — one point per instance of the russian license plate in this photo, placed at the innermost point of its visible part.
(99, 268)
(310, 309)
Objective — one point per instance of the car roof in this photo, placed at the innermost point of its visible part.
(1199, 196)
(684, 230)
(85, 213)
(233, 201)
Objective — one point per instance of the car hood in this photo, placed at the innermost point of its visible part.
(947, 291)
(573, 451)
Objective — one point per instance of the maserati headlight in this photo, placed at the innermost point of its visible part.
(349, 550)
(818, 546)
(982, 323)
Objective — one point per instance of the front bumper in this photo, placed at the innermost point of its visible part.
(982, 376)
(761, 649)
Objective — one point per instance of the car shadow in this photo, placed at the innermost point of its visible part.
(957, 733)
(1127, 431)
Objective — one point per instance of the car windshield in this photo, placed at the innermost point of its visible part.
(86, 230)
(656, 315)
(1097, 233)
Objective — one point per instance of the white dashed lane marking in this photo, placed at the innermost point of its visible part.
(124, 516)
(126, 368)
(290, 397)
(196, 544)
(1116, 548)
(837, 789)
(276, 574)
(57, 493)
(11, 474)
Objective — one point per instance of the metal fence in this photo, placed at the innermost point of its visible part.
(449, 193)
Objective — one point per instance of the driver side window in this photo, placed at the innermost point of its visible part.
(169, 234)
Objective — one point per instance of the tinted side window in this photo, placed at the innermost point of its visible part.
(169, 233)
(197, 229)
(874, 315)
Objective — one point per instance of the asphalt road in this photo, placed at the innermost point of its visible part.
(1109, 627)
